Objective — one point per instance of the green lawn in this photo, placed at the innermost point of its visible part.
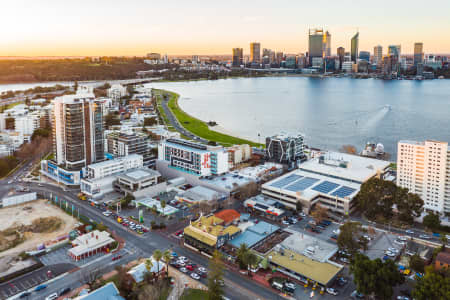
(200, 128)
(193, 294)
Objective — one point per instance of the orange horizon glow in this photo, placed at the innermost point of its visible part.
(101, 28)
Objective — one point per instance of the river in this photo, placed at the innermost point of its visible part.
(331, 112)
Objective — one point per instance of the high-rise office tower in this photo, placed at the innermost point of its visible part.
(326, 44)
(394, 50)
(378, 54)
(77, 131)
(354, 47)
(423, 168)
(364, 55)
(418, 53)
(318, 42)
(238, 57)
(255, 52)
(341, 55)
(279, 57)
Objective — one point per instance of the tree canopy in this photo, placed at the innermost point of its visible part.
(350, 238)
(377, 198)
(216, 269)
(432, 286)
(375, 276)
(432, 221)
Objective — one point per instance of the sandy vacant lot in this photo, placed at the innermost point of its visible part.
(25, 214)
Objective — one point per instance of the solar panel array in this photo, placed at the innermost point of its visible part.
(343, 191)
(285, 181)
(325, 187)
(302, 184)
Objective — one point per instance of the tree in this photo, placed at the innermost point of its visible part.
(163, 205)
(242, 255)
(350, 238)
(444, 241)
(432, 221)
(376, 197)
(157, 255)
(298, 206)
(416, 263)
(148, 267)
(409, 205)
(319, 213)
(432, 286)
(252, 260)
(216, 270)
(166, 257)
(125, 202)
(375, 276)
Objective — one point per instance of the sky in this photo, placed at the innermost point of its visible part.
(183, 27)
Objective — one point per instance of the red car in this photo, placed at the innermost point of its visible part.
(190, 267)
(144, 229)
(117, 257)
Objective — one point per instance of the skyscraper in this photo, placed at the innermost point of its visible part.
(354, 47)
(319, 44)
(238, 57)
(77, 131)
(341, 54)
(394, 50)
(418, 53)
(326, 44)
(377, 54)
(364, 55)
(255, 52)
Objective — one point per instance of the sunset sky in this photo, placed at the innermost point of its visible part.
(135, 27)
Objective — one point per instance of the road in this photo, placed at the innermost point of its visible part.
(174, 122)
(236, 285)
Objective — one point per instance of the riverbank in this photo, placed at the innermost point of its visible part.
(200, 128)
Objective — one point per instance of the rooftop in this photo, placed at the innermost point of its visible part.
(227, 181)
(200, 193)
(253, 234)
(320, 272)
(345, 166)
(107, 292)
(207, 229)
(443, 257)
(228, 215)
(139, 174)
(114, 161)
(150, 203)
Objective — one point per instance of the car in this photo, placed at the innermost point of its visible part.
(332, 291)
(220, 282)
(397, 241)
(302, 214)
(290, 285)
(52, 296)
(356, 295)
(117, 257)
(40, 184)
(334, 237)
(195, 276)
(389, 253)
(106, 213)
(284, 222)
(395, 250)
(409, 231)
(174, 254)
(24, 294)
(190, 268)
(40, 287)
(144, 229)
(320, 227)
(337, 231)
(64, 291)
(344, 260)
(316, 230)
(202, 270)
(402, 298)
(293, 220)
(424, 236)
(184, 270)
(312, 222)
(403, 238)
(367, 237)
(183, 259)
(277, 285)
(181, 263)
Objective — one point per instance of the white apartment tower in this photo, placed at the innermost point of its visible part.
(424, 168)
(77, 131)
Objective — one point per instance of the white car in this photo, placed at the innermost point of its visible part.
(302, 214)
(284, 222)
(424, 236)
(195, 276)
(183, 259)
(395, 250)
(184, 270)
(403, 238)
(391, 254)
(52, 296)
(409, 231)
(399, 242)
(332, 291)
(202, 270)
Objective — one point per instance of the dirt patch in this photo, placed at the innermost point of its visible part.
(35, 223)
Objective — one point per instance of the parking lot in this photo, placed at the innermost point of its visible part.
(60, 256)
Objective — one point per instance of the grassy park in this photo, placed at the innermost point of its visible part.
(199, 127)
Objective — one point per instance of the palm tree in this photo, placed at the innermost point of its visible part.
(166, 257)
(163, 205)
(252, 260)
(157, 255)
(148, 266)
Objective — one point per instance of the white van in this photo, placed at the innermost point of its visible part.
(277, 285)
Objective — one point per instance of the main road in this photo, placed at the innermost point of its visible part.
(236, 285)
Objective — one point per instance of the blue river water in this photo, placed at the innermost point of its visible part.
(331, 112)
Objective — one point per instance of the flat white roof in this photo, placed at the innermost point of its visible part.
(309, 185)
(114, 161)
(359, 169)
(150, 202)
(138, 174)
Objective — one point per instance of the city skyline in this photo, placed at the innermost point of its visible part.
(138, 27)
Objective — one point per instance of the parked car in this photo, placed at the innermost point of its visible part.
(24, 294)
(64, 291)
(424, 236)
(356, 295)
(202, 270)
(284, 222)
(52, 296)
(332, 291)
(184, 270)
(195, 276)
(344, 260)
(117, 257)
(409, 231)
(183, 259)
(190, 268)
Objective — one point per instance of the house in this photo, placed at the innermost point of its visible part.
(442, 260)
(138, 272)
(107, 292)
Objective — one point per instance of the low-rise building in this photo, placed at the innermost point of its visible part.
(90, 244)
(138, 272)
(136, 180)
(107, 292)
(285, 148)
(208, 233)
(238, 154)
(331, 179)
(442, 260)
(198, 194)
(267, 206)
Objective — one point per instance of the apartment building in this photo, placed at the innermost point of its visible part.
(285, 148)
(120, 144)
(193, 158)
(424, 169)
